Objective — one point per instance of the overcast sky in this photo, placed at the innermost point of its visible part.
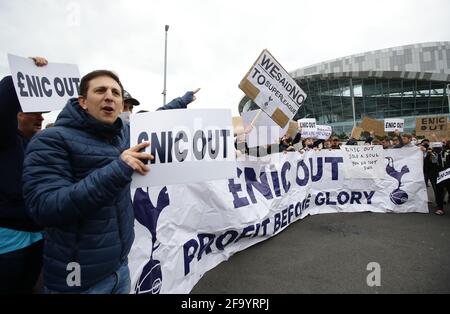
(211, 43)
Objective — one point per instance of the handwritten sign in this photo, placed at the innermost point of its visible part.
(324, 132)
(363, 162)
(435, 124)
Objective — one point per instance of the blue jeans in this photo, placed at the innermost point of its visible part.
(118, 282)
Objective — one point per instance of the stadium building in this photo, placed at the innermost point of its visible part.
(402, 82)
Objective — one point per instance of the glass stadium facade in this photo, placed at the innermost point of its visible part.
(403, 82)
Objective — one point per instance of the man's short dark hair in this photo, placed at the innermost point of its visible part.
(84, 84)
(407, 135)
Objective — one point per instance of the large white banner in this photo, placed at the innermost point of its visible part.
(188, 145)
(185, 230)
(44, 88)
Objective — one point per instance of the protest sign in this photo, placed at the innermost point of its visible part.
(292, 129)
(264, 132)
(356, 133)
(390, 125)
(238, 127)
(188, 145)
(443, 176)
(270, 86)
(44, 88)
(308, 127)
(435, 124)
(324, 132)
(363, 162)
(374, 125)
(195, 227)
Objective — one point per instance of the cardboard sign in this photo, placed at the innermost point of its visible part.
(292, 129)
(374, 125)
(194, 145)
(308, 126)
(270, 86)
(356, 133)
(390, 125)
(44, 88)
(324, 132)
(265, 131)
(435, 124)
(363, 162)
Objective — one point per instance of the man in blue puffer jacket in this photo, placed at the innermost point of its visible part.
(77, 186)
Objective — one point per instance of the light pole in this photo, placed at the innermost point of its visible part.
(165, 68)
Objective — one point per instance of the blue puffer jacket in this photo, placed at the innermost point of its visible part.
(77, 187)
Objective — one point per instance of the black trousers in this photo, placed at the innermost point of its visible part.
(19, 270)
(439, 191)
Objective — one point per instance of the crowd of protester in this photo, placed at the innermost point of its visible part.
(65, 193)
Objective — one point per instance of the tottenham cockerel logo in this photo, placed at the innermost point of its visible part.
(150, 279)
(398, 196)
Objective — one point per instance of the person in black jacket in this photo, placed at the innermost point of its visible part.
(437, 160)
(20, 240)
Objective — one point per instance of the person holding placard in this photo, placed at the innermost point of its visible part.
(77, 186)
(20, 237)
(436, 161)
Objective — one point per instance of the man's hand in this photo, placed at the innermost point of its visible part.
(190, 96)
(133, 158)
(39, 61)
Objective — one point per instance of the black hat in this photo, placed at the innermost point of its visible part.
(127, 97)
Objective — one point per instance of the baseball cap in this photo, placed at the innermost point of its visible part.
(127, 97)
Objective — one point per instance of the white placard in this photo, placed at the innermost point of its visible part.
(265, 131)
(272, 89)
(309, 128)
(436, 144)
(443, 175)
(363, 162)
(43, 88)
(324, 132)
(188, 145)
(195, 227)
(390, 125)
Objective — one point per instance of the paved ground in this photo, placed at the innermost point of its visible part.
(329, 254)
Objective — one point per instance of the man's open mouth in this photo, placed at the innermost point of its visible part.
(108, 109)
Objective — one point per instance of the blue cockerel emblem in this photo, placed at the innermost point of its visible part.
(150, 279)
(398, 196)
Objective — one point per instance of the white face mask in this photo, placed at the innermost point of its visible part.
(414, 143)
(125, 116)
